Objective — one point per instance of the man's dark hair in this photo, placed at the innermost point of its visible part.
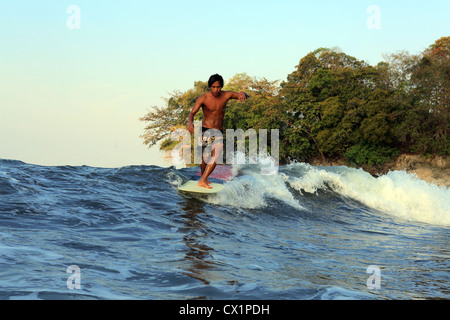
(214, 78)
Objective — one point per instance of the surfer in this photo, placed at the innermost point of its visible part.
(213, 104)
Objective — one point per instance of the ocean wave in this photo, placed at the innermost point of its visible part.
(252, 190)
(397, 193)
(297, 232)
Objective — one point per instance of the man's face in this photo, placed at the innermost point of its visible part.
(216, 88)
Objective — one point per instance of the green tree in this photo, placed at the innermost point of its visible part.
(421, 86)
(161, 121)
(335, 106)
(324, 99)
(432, 98)
(258, 111)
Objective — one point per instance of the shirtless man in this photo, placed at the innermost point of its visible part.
(213, 104)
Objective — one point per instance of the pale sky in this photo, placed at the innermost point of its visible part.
(73, 83)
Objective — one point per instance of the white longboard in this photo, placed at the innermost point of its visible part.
(192, 186)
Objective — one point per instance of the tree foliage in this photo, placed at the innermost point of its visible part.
(161, 121)
(334, 106)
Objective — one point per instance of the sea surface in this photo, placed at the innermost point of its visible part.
(298, 233)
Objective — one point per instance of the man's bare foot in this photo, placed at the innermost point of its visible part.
(207, 181)
(204, 184)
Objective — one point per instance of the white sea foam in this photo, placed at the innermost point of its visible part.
(397, 193)
(252, 189)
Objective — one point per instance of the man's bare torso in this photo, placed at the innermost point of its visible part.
(214, 109)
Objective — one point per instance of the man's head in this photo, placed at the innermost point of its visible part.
(215, 83)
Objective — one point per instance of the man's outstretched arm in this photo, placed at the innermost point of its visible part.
(192, 114)
(241, 96)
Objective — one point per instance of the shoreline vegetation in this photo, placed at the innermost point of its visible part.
(335, 109)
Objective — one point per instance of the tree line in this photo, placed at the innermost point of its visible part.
(335, 107)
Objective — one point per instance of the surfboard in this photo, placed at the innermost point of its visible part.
(192, 186)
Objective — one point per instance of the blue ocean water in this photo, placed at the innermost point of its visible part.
(300, 233)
